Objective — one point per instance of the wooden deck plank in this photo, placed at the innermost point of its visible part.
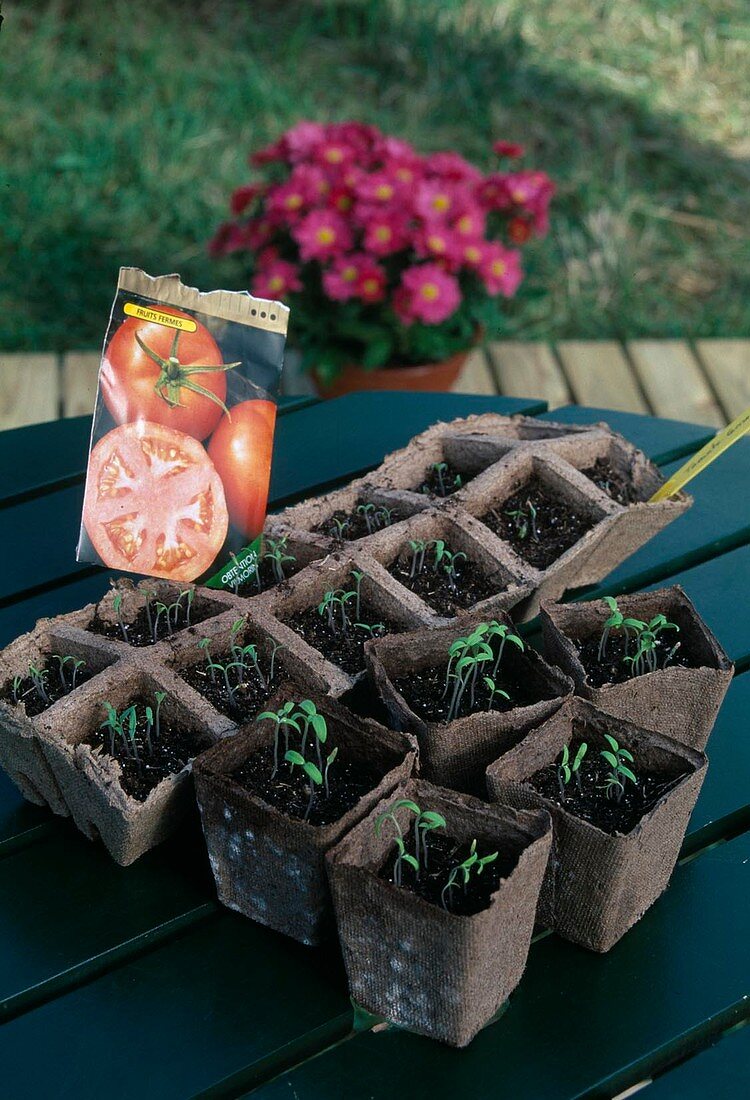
(80, 370)
(599, 374)
(529, 368)
(673, 381)
(477, 375)
(727, 364)
(29, 389)
(676, 974)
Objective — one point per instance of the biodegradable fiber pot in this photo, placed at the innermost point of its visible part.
(679, 701)
(456, 754)
(599, 884)
(437, 973)
(270, 866)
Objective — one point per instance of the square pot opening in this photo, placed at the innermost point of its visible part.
(224, 645)
(532, 505)
(579, 628)
(616, 468)
(481, 579)
(379, 610)
(660, 767)
(153, 612)
(55, 652)
(181, 736)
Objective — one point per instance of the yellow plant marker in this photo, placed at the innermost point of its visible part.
(704, 457)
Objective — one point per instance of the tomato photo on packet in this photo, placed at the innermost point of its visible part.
(170, 376)
(154, 503)
(241, 449)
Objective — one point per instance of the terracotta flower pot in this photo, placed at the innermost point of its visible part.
(427, 377)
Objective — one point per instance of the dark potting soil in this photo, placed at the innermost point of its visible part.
(345, 650)
(613, 669)
(289, 790)
(347, 526)
(443, 482)
(612, 482)
(138, 632)
(424, 690)
(27, 694)
(470, 585)
(591, 802)
(268, 578)
(248, 697)
(169, 754)
(556, 527)
(443, 854)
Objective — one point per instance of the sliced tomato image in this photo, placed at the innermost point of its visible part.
(154, 503)
(165, 375)
(241, 449)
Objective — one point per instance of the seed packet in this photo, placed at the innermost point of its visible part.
(181, 442)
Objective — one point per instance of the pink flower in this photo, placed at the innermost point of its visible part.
(242, 197)
(377, 188)
(322, 234)
(532, 193)
(278, 279)
(287, 199)
(268, 154)
(427, 293)
(509, 149)
(301, 140)
(356, 275)
(492, 191)
(452, 166)
(436, 200)
(438, 242)
(472, 253)
(385, 232)
(333, 154)
(227, 238)
(500, 269)
(471, 223)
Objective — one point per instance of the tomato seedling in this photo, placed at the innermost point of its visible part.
(275, 553)
(618, 759)
(123, 725)
(524, 521)
(425, 821)
(473, 862)
(567, 768)
(445, 485)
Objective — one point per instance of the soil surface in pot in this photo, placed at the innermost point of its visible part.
(139, 633)
(289, 790)
(441, 480)
(169, 753)
(469, 587)
(423, 690)
(347, 526)
(614, 669)
(590, 802)
(612, 482)
(54, 688)
(544, 526)
(345, 650)
(267, 577)
(246, 698)
(443, 854)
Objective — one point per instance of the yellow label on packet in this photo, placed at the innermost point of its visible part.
(147, 313)
(704, 457)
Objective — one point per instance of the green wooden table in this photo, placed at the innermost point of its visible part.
(134, 982)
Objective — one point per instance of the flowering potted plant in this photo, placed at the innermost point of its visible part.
(393, 262)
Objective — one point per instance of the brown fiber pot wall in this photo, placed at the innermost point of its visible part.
(434, 972)
(598, 885)
(681, 703)
(90, 781)
(269, 866)
(21, 755)
(457, 753)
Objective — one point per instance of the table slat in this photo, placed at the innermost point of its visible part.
(529, 368)
(599, 374)
(674, 382)
(476, 376)
(29, 389)
(727, 364)
(80, 371)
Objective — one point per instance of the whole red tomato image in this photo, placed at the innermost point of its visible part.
(241, 450)
(165, 375)
(154, 503)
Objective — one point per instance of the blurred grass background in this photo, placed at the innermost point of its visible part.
(124, 126)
